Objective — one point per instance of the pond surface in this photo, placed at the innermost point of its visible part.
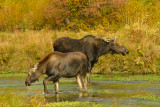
(109, 92)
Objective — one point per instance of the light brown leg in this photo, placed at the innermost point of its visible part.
(79, 83)
(56, 86)
(88, 76)
(84, 80)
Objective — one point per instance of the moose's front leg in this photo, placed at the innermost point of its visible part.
(45, 82)
(79, 83)
(84, 82)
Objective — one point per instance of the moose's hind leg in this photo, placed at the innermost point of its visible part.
(79, 83)
(84, 80)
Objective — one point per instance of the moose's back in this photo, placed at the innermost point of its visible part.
(67, 64)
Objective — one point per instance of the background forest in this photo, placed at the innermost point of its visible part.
(29, 28)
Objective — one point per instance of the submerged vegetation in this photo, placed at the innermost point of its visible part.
(31, 26)
(148, 96)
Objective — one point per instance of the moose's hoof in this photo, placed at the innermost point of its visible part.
(56, 92)
(46, 92)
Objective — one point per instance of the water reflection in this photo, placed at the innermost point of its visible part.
(66, 96)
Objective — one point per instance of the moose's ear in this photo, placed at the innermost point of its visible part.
(106, 39)
(115, 38)
(35, 66)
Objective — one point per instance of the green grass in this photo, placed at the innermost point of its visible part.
(75, 104)
(120, 77)
(149, 96)
(126, 77)
(13, 75)
(12, 100)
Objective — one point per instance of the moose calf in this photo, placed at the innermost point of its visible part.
(57, 65)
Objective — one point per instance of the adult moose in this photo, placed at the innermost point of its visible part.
(57, 65)
(91, 46)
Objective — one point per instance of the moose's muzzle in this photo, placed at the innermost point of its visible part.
(27, 83)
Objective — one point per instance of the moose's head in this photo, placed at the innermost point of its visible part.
(114, 47)
(32, 75)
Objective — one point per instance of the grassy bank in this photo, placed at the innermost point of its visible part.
(20, 50)
(95, 77)
(75, 104)
(11, 100)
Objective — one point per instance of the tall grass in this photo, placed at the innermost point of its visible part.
(13, 100)
(22, 49)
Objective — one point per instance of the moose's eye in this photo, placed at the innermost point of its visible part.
(116, 44)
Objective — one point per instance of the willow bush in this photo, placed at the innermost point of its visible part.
(77, 14)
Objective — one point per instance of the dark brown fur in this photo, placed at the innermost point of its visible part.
(91, 46)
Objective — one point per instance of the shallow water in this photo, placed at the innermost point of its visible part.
(109, 92)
